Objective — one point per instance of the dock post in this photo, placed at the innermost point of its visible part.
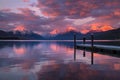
(83, 53)
(92, 41)
(92, 57)
(74, 46)
(84, 41)
(92, 48)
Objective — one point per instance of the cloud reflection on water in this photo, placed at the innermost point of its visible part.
(54, 61)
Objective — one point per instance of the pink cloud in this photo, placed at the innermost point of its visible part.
(25, 0)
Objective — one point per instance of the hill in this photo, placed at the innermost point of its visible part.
(19, 35)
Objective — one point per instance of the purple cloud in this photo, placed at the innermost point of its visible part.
(61, 13)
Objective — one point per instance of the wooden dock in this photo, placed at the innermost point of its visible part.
(99, 47)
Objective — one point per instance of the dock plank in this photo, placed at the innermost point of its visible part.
(107, 47)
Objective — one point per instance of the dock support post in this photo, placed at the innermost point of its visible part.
(92, 48)
(84, 41)
(92, 57)
(74, 47)
(92, 41)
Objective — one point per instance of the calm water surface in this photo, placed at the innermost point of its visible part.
(39, 60)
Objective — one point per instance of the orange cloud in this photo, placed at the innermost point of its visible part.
(45, 13)
(20, 28)
(117, 12)
(84, 31)
(106, 28)
(55, 31)
(70, 28)
(51, 14)
(94, 27)
(99, 27)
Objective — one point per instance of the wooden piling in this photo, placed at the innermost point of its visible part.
(92, 57)
(92, 48)
(84, 41)
(84, 53)
(74, 46)
(92, 41)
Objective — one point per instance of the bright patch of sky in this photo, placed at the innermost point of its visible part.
(80, 21)
(14, 4)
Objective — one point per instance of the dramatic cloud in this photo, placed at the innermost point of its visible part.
(56, 16)
(80, 12)
(79, 8)
(26, 18)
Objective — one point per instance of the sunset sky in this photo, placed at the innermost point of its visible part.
(56, 16)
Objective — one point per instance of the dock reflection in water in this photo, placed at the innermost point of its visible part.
(54, 61)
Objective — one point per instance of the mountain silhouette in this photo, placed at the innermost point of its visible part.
(67, 35)
(19, 35)
(106, 35)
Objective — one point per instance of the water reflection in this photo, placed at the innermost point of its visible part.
(75, 71)
(60, 48)
(84, 53)
(54, 61)
(19, 50)
(92, 57)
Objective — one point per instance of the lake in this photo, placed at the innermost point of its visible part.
(54, 60)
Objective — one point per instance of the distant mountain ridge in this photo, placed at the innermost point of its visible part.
(18, 35)
(67, 35)
(29, 35)
(103, 35)
(113, 34)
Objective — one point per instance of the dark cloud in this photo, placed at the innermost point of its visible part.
(78, 8)
(26, 18)
(55, 12)
(105, 12)
(9, 16)
(10, 20)
(5, 10)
